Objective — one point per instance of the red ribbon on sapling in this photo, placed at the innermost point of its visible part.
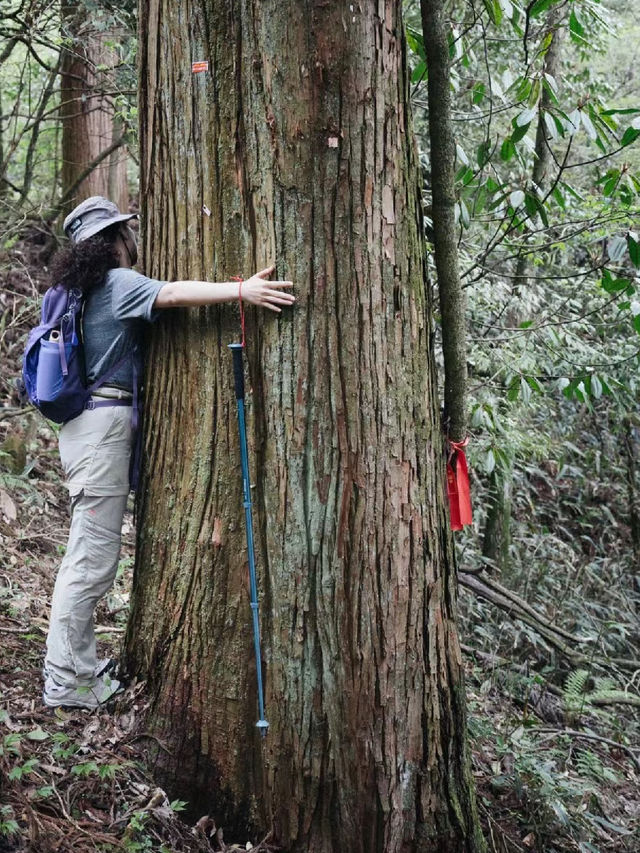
(458, 488)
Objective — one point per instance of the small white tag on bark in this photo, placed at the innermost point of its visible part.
(206, 210)
(332, 142)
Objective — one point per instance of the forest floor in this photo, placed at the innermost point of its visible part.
(553, 772)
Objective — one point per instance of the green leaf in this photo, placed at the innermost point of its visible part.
(576, 29)
(560, 126)
(461, 155)
(616, 248)
(625, 194)
(507, 150)
(465, 175)
(539, 7)
(483, 153)
(613, 176)
(44, 792)
(419, 72)
(534, 94)
(464, 214)
(613, 285)
(480, 200)
(574, 121)
(630, 135)
(580, 391)
(601, 143)
(561, 812)
(543, 212)
(526, 116)
(534, 384)
(520, 132)
(530, 204)
(523, 88)
(477, 417)
(478, 93)
(416, 42)
(605, 387)
(494, 11)
(37, 734)
(552, 130)
(588, 125)
(628, 111)
(489, 461)
(634, 249)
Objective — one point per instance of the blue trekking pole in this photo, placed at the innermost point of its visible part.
(238, 373)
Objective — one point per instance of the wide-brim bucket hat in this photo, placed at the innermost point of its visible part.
(92, 216)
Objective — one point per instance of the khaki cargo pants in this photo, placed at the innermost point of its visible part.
(95, 449)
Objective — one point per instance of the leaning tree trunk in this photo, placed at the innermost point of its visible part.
(299, 144)
(94, 156)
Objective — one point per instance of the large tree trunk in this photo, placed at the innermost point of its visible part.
(300, 143)
(89, 126)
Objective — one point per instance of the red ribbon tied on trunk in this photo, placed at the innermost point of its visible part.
(458, 488)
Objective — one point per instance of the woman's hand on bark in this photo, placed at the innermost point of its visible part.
(258, 290)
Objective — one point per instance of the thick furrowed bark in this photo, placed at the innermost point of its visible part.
(300, 143)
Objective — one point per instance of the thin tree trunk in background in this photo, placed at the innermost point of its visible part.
(632, 489)
(4, 186)
(542, 159)
(87, 113)
(299, 142)
(496, 541)
(443, 157)
(45, 97)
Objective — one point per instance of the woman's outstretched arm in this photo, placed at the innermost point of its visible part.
(257, 290)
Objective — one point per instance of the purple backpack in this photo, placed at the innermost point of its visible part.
(53, 363)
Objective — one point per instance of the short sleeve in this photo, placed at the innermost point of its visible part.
(133, 295)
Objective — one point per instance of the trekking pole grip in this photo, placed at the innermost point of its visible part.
(238, 370)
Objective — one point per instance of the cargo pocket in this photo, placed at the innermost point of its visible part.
(94, 450)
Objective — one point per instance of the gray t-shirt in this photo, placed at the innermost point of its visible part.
(113, 323)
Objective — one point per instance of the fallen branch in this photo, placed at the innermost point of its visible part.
(513, 605)
(592, 736)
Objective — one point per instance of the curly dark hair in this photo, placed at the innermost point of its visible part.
(84, 265)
